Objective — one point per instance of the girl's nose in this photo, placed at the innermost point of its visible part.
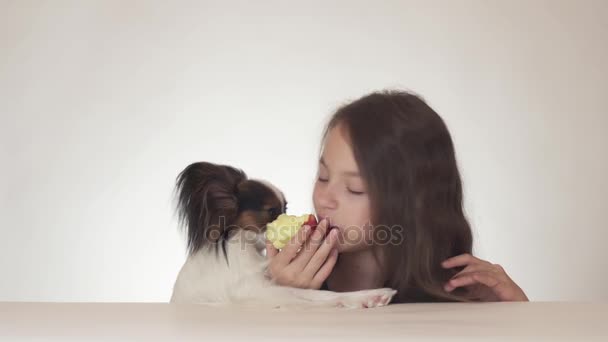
(328, 199)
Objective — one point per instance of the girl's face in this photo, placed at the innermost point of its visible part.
(340, 193)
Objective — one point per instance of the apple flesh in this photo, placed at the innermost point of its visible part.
(281, 230)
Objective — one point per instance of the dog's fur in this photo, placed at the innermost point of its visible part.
(225, 216)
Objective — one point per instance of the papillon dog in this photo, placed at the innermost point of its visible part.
(225, 215)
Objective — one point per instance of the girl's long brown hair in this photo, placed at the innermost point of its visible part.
(406, 157)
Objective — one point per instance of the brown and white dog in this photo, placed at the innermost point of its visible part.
(225, 216)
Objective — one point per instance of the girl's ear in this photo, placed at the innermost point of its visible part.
(207, 202)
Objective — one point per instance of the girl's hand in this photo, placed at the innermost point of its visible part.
(485, 281)
(307, 260)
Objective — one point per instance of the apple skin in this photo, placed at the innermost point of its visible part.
(312, 221)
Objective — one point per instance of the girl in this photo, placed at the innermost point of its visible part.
(389, 199)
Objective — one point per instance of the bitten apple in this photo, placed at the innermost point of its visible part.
(281, 230)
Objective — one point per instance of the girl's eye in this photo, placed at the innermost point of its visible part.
(322, 180)
(356, 192)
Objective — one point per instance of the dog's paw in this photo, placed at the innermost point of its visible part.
(366, 298)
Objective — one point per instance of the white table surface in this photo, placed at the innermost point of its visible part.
(160, 321)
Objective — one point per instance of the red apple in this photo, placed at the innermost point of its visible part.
(312, 221)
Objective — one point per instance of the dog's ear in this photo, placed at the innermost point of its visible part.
(207, 202)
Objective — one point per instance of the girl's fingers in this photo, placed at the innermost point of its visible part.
(326, 269)
(462, 260)
(271, 251)
(477, 268)
(312, 245)
(467, 279)
(290, 251)
(319, 258)
(492, 277)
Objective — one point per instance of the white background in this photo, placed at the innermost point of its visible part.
(103, 103)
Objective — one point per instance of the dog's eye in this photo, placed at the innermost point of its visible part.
(273, 212)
